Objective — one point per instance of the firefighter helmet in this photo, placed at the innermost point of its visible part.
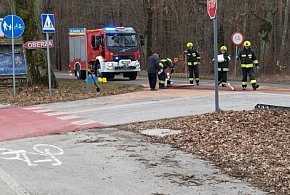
(247, 44)
(224, 48)
(189, 44)
(168, 59)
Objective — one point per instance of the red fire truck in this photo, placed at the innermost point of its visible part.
(107, 52)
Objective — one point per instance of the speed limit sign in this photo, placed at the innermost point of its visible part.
(237, 38)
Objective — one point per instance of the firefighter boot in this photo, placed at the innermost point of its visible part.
(161, 86)
(255, 86)
(191, 82)
(197, 83)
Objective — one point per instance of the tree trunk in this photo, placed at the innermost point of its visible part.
(266, 38)
(284, 33)
(37, 72)
(149, 25)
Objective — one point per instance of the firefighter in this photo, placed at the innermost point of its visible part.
(223, 66)
(164, 63)
(193, 60)
(248, 60)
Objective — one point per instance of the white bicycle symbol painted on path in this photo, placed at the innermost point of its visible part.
(47, 153)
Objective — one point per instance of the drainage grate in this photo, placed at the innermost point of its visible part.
(266, 106)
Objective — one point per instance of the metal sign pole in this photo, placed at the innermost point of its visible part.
(235, 68)
(87, 73)
(216, 64)
(13, 61)
(48, 64)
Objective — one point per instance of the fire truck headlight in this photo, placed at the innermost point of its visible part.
(110, 66)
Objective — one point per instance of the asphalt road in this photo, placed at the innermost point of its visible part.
(109, 161)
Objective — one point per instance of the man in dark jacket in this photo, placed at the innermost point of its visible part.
(152, 70)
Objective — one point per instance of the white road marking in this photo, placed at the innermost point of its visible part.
(83, 122)
(41, 111)
(54, 113)
(68, 117)
(32, 108)
(12, 183)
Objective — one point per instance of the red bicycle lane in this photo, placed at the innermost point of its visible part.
(24, 122)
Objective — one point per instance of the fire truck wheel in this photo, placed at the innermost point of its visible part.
(109, 76)
(81, 74)
(133, 75)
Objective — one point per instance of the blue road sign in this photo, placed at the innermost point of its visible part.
(47, 23)
(12, 26)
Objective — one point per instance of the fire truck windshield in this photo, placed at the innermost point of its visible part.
(121, 40)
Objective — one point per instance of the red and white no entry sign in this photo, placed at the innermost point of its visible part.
(237, 38)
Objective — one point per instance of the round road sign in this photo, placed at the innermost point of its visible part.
(237, 38)
(12, 26)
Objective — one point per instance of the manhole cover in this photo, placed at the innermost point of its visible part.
(160, 132)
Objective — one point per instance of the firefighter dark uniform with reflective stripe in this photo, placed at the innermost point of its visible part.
(193, 60)
(248, 60)
(164, 63)
(223, 66)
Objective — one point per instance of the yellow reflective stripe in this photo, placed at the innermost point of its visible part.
(189, 63)
(244, 83)
(198, 58)
(229, 57)
(225, 69)
(244, 55)
(255, 62)
(160, 64)
(160, 81)
(253, 81)
(197, 79)
(250, 55)
(190, 79)
(219, 69)
(247, 65)
(195, 63)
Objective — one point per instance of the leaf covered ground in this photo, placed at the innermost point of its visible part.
(250, 145)
(68, 90)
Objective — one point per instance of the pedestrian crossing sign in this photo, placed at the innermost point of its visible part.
(48, 23)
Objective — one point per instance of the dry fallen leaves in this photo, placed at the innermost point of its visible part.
(251, 145)
(68, 90)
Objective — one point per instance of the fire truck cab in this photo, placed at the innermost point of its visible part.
(107, 52)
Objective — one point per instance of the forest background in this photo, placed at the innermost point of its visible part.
(167, 25)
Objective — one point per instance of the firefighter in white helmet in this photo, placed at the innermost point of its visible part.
(193, 60)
